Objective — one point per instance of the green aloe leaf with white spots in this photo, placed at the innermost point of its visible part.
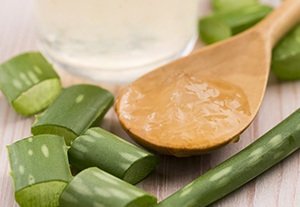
(265, 152)
(96, 188)
(40, 170)
(29, 83)
(286, 56)
(74, 111)
(100, 148)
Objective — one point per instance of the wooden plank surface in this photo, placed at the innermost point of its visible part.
(278, 187)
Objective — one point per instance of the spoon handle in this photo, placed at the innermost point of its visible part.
(279, 22)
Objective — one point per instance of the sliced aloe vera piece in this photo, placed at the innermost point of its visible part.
(100, 148)
(94, 187)
(29, 83)
(220, 26)
(40, 170)
(265, 152)
(226, 5)
(74, 111)
(286, 56)
(37, 98)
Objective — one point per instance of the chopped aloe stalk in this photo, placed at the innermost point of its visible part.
(40, 170)
(94, 187)
(100, 148)
(75, 110)
(286, 56)
(268, 150)
(220, 26)
(29, 83)
(226, 5)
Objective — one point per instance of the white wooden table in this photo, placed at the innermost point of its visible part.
(279, 187)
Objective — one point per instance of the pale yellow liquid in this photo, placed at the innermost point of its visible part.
(127, 37)
(183, 111)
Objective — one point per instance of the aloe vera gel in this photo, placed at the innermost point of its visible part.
(116, 40)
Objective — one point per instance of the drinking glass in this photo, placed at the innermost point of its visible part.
(115, 40)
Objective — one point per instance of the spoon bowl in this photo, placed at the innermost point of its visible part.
(204, 101)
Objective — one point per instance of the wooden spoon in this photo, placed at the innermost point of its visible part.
(204, 101)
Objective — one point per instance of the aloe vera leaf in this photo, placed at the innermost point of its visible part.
(74, 111)
(40, 170)
(268, 150)
(220, 26)
(213, 30)
(100, 148)
(286, 56)
(244, 18)
(226, 5)
(29, 83)
(94, 187)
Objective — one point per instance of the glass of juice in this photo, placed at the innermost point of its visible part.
(115, 40)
